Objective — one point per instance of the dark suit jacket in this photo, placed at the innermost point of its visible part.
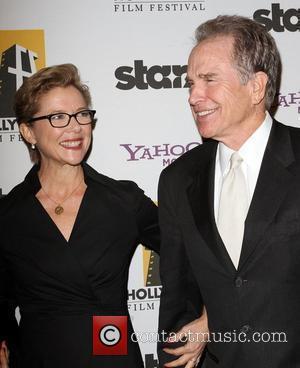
(263, 295)
(60, 285)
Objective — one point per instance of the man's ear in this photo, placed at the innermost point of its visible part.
(259, 83)
(27, 133)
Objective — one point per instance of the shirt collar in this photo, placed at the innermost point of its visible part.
(255, 145)
(32, 178)
(224, 157)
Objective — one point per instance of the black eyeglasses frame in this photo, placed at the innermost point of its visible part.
(48, 117)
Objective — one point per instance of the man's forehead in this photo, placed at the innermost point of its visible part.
(208, 62)
(223, 43)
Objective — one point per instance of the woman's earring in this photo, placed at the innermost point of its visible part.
(33, 146)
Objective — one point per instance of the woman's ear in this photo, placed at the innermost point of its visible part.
(27, 133)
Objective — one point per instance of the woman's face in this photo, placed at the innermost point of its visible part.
(60, 146)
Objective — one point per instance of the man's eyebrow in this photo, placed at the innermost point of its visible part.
(202, 76)
(207, 75)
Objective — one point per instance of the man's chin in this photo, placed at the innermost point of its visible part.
(204, 133)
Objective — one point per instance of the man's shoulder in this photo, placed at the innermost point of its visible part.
(287, 133)
(190, 161)
(287, 126)
(294, 131)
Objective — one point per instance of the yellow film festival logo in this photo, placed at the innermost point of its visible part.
(151, 268)
(22, 53)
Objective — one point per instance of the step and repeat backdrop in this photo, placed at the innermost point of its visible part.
(132, 55)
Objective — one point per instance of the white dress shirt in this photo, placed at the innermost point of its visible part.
(251, 151)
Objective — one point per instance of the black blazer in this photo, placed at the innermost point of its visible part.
(60, 285)
(263, 295)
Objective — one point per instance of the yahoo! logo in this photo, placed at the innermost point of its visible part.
(278, 19)
(156, 76)
(291, 99)
(167, 151)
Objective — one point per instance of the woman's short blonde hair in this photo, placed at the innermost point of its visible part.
(28, 95)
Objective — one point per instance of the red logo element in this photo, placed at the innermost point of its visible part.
(109, 335)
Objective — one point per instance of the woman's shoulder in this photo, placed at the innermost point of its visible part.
(109, 181)
(125, 188)
(20, 192)
(14, 196)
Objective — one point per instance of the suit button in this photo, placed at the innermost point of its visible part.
(238, 282)
(245, 329)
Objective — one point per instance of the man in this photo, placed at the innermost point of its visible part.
(230, 208)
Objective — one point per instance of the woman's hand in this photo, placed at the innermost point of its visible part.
(196, 335)
(4, 355)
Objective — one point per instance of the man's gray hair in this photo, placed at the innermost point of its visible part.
(254, 49)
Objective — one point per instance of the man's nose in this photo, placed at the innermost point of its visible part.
(197, 93)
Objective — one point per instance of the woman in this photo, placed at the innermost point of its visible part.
(68, 233)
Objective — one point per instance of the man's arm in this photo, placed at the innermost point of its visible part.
(4, 355)
(181, 301)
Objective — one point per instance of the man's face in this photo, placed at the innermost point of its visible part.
(221, 105)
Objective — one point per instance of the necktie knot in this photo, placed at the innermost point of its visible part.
(235, 160)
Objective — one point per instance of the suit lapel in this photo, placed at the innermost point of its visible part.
(201, 199)
(273, 183)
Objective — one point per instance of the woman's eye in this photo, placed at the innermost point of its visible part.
(84, 114)
(58, 116)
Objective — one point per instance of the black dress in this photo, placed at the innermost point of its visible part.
(60, 285)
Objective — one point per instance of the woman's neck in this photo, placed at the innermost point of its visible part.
(60, 179)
